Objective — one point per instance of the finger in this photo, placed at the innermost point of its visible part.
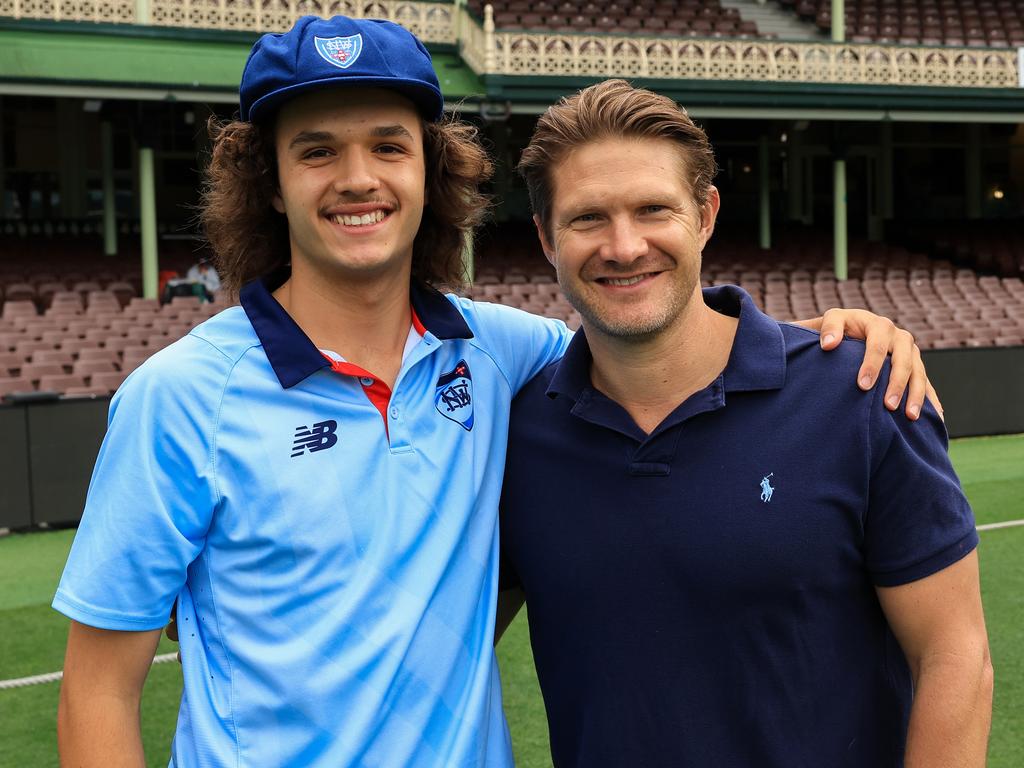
(902, 369)
(832, 325)
(879, 333)
(933, 397)
(918, 388)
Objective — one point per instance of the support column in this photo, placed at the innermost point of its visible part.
(147, 216)
(794, 160)
(502, 172)
(3, 163)
(885, 176)
(764, 182)
(109, 200)
(875, 222)
(839, 227)
(972, 171)
(72, 162)
(467, 258)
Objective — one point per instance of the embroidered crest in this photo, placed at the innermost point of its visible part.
(340, 51)
(766, 488)
(453, 397)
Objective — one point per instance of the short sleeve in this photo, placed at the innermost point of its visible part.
(918, 520)
(521, 344)
(152, 494)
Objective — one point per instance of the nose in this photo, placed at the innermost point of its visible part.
(626, 242)
(355, 174)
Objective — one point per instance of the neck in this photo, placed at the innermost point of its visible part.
(651, 377)
(365, 322)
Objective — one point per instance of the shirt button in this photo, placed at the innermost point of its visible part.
(394, 413)
(366, 381)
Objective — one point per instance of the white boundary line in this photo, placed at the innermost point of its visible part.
(52, 677)
(1004, 524)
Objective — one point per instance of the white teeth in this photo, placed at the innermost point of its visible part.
(358, 221)
(624, 280)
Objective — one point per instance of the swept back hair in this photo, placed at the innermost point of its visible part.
(608, 110)
(249, 237)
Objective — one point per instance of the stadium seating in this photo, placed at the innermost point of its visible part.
(977, 23)
(700, 18)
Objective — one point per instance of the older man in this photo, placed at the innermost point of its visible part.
(722, 567)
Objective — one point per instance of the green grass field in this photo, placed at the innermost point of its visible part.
(32, 635)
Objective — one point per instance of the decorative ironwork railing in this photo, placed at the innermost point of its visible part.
(489, 51)
(687, 58)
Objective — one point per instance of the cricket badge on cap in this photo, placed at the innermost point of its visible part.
(453, 397)
(342, 52)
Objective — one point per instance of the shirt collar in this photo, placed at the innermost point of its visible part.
(757, 360)
(291, 353)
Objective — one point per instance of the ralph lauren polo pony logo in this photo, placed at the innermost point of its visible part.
(766, 488)
(342, 52)
(319, 437)
(453, 396)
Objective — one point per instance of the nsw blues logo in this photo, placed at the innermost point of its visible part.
(453, 397)
(340, 51)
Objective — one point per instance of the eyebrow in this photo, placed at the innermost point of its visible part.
(323, 137)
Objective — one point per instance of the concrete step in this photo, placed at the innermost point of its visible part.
(772, 18)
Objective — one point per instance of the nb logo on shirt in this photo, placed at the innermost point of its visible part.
(319, 437)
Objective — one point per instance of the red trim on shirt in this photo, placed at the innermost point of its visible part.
(420, 328)
(378, 393)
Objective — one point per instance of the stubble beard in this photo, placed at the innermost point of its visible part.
(633, 325)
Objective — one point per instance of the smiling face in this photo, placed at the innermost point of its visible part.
(351, 176)
(625, 235)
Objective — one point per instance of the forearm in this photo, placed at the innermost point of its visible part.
(951, 714)
(98, 730)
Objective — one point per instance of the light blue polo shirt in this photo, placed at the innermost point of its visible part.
(332, 545)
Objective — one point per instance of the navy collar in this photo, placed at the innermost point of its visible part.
(757, 360)
(291, 353)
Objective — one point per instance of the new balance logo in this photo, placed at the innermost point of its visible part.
(319, 437)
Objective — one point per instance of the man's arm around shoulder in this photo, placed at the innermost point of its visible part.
(98, 721)
(940, 625)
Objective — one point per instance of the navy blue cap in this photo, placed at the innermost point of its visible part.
(319, 53)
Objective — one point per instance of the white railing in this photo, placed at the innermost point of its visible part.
(687, 58)
(493, 52)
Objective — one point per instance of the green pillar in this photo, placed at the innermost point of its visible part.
(467, 258)
(795, 174)
(838, 21)
(109, 202)
(3, 165)
(972, 171)
(764, 196)
(142, 12)
(885, 176)
(839, 228)
(147, 215)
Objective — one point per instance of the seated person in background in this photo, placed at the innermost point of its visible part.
(204, 274)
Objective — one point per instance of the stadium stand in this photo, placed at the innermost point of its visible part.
(974, 23)
(697, 18)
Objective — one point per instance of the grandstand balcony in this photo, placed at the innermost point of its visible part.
(652, 39)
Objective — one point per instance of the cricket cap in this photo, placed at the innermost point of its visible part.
(327, 53)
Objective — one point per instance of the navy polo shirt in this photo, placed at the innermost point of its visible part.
(705, 595)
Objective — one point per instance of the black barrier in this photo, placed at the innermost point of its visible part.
(15, 498)
(48, 447)
(47, 450)
(982, 390)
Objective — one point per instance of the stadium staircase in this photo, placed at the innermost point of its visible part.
(775, 21)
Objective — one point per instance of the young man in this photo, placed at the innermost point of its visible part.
(314, 475)
(719, 573)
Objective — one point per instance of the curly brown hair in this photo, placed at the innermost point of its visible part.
(611, 109)
(249, 238)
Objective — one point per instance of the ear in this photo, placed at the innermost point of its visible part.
(549, 252)
(709, 214)
(277, 202)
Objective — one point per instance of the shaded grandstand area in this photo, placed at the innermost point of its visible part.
(697, 18)
(943, 305)
(974, 23)
(72, 321)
